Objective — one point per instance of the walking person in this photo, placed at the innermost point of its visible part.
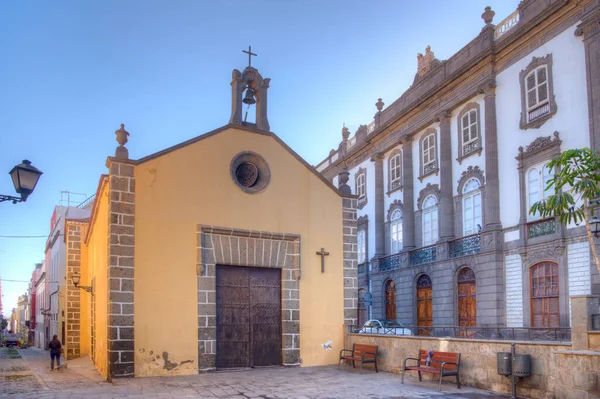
(55, 350)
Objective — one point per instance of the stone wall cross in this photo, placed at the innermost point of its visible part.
(323, 255)
(250, 54)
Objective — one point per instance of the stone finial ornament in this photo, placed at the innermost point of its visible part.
(424, 62)
(345, 133)
(122, 138)
(379, 104)
(488, 15)
(343, 178)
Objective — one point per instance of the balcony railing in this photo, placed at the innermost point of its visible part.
(465, 246)
(390, 262)
(490, 333)
(423, 255)
(507, 24)
(541, 228)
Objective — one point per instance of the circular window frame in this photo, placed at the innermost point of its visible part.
(264, 172)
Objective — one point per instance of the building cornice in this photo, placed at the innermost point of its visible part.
(398, 122)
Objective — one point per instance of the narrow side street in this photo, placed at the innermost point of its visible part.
(29, 376)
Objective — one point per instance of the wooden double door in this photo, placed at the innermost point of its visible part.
(248, 316)
(424, 305)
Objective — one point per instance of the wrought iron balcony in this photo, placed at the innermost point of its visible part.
(541, 228)
(390, 262)
(465, 246)
(423, 255)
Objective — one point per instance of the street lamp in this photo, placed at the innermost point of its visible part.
(24, 177)
(75, 278)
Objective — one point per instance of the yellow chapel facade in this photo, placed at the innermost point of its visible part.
(225, 251)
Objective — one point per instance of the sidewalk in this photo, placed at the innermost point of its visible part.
(81, 380)
(79, 373)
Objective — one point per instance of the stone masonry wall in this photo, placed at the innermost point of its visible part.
(73, 231)
(225, 246)
(477, 363)
(121, 238)
(350, 260)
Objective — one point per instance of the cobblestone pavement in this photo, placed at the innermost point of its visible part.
(81, 380)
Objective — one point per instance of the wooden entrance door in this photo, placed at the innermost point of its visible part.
(248, 317)
(424, 305)
(390, 300)
(467, 301)
(545, 311)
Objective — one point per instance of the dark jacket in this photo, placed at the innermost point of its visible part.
(55, 347)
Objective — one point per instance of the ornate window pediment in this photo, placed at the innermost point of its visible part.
(430, 189)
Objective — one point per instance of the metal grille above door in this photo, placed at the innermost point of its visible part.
(248, 316)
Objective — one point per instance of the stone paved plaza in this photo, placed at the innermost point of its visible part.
(29, 376)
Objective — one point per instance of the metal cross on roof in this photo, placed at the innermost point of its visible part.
(250, 54)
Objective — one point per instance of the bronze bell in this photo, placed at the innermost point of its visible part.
(249, 97)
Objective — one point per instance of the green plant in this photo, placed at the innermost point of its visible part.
(576, 191)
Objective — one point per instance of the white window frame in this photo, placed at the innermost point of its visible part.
(428, 145)
(396, 231)
(430, 218)
(361, 185)
(472, 200)
(539, 184)
(471, 127)
(395, 170)
(536, 88)
(361, 238)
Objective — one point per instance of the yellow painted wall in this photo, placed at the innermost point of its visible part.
(84, 302)
(193, 185)
(96, 263)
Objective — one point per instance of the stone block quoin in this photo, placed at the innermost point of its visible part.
(349, 226)
(225, 246)
(74, 231)
(121, 246)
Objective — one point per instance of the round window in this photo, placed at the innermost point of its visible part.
(250, 172)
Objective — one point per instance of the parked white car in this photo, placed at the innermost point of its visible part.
(386, 327)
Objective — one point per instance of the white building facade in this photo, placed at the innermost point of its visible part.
(446, 175)
(41, 304)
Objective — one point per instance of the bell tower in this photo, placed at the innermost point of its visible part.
(255, 87)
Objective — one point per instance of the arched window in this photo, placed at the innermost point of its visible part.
(545, 309)
(430, 220)
(467, 299)
(395, 170)
(424, 304)
(429, 153)
(471, 207)
(390, 300)
(396, 231)
(537, 181)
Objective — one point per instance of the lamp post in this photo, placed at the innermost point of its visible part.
(75, 278)
(24, 177)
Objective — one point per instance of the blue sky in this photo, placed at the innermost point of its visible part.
(72, 71)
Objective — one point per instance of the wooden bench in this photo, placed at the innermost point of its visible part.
(442, 363)
(360, 353)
